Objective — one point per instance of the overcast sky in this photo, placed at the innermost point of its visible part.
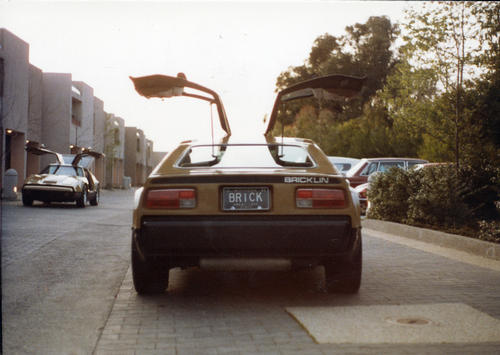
(235, 48)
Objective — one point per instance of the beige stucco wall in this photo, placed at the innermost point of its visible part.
(83, 135)
(114, 150)
(15, 53)
(57, 111)
(14, 103)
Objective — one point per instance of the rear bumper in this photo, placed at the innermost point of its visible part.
(50, 193)
(196, 237)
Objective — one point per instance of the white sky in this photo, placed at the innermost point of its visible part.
(237, 49)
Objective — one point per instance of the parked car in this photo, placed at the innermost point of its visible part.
(62, 182)
(243, 204)
(362, 191)
(359, 173)
(430, 165)
(343, 164)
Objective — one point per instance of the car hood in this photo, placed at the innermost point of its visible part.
(50, 179)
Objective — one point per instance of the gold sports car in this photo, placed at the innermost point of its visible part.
(262, 204)
(61, 182)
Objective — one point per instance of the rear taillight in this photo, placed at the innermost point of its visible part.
(320, 198)
(362, 190)
(171, 198)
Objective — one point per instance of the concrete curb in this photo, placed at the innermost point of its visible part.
(452, 241)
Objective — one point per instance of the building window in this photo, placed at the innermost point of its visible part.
(76, 112)
(75, 90)
(8, 149)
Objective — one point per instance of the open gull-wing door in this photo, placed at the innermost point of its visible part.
(42, 151)
(85, 152)
(163, 86)
(331, 87)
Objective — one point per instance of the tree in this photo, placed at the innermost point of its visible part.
(442, 38)
(365, 50)
(487, 102)
(416, 107)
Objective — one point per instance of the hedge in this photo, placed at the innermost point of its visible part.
(441, 197)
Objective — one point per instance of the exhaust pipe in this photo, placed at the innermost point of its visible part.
(245, 264)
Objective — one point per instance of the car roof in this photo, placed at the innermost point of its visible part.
(363, 161)
(343, 159)
(393, 159)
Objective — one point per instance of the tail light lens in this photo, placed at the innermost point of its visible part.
(171, 198)
(362, 193)
(320, 198)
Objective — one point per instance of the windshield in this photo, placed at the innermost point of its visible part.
(386, 166)
(246, 156)
(63, 170)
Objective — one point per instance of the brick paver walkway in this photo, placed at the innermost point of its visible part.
(244, 313)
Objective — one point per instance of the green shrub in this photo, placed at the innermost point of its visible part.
(489, 231)
(439, 199)
(483, 181)
(389, 194)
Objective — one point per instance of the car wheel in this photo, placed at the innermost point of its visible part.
(82, 200)
(95, 200)
(345, 276)
(27, 201)
(147, 279)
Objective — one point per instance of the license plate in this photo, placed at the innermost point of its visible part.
(245, 199)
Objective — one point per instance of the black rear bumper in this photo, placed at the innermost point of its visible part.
(245, 236)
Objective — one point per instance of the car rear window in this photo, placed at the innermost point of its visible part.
(246, 156)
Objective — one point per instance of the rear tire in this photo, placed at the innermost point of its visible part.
(345, 276)
(95, 200)
(148, 279)
(27, 201)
